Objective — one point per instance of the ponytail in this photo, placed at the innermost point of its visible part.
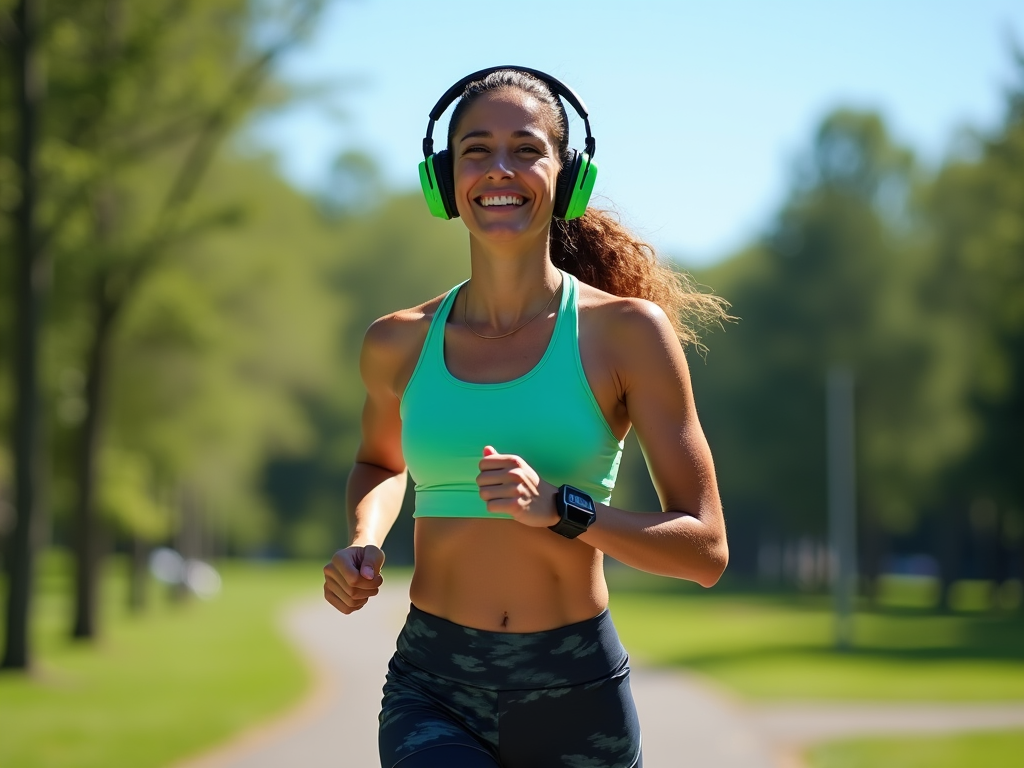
(601, 252)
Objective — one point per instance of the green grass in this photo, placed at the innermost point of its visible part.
(1003, 749)
(773, 647)
(157, 687)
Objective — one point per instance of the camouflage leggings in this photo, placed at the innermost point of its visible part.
(531, 700)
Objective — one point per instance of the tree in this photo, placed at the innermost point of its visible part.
(31, 274)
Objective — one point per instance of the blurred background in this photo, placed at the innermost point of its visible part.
(206, 203)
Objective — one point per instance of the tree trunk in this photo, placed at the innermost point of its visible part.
(31, 278)
(187, 542)
(875, 545)
(87, 534)
(950, 553)
(137, 571)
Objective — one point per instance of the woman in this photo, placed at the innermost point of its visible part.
(525, 378)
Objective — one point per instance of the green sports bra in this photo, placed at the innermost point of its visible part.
(549, 416)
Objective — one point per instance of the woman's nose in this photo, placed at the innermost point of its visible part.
(501, 166)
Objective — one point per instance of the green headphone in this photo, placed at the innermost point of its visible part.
(575, 179)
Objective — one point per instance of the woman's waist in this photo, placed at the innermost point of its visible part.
(503, 576)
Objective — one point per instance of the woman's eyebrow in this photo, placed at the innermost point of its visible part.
(481, 134)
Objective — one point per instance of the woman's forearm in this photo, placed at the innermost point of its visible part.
(673, 544)
(374, 498)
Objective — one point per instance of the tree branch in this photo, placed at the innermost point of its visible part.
(245, 86)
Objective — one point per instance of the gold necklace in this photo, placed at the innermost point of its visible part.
(465, 322)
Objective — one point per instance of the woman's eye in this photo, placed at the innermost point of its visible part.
(468, 150)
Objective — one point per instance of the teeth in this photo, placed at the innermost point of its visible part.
(501, 200)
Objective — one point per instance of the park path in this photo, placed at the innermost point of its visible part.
(687, 721)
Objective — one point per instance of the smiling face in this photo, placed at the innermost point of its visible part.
(506, 166)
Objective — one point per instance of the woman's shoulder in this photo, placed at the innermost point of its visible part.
(624, 319)
(393, 342)
(402, 328)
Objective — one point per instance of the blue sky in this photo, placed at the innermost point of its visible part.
(698, 108)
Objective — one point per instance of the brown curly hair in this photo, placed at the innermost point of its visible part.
(596, 247)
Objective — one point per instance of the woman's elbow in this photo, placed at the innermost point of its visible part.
(717, 560)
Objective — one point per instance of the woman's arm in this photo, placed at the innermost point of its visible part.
(376, 484)
(687, 539)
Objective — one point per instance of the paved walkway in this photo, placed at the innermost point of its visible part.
(686, 720)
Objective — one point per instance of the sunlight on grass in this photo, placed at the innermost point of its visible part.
(772, 647)
(972, 750)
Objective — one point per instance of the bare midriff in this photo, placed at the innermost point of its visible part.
(503, 576)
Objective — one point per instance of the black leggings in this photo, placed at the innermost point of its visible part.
(458, 697)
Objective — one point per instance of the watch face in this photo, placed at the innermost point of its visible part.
(577, 500)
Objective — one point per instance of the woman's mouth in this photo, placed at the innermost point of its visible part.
(489, 201)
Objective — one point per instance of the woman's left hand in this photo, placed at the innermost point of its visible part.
(509, 485)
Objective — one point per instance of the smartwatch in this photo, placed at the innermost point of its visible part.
(576, 510)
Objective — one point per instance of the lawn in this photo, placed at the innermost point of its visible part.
(972, 750)
(772, 647)
(157, 687)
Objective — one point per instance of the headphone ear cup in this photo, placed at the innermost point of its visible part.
(582, 187)
(431, 193)
(446, 182)
(565, 183)
(438, 185)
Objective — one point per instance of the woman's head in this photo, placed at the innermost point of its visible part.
(506, 139)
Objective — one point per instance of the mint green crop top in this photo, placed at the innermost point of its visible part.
(549, 416)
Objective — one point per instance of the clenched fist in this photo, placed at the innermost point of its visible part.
(353, 577)
(508, 484)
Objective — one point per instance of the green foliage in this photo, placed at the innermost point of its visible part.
(127, 499)
(976, 209)
(222, 345)
(833, 285)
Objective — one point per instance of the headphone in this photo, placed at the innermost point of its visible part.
(575, 179)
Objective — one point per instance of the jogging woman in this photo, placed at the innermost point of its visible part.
(508, 399)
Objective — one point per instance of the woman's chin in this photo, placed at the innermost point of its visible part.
(511, 231)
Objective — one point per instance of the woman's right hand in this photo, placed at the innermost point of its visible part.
(353, 577)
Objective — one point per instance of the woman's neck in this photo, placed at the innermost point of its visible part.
(509, 283)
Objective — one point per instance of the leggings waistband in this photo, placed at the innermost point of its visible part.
(503, 661)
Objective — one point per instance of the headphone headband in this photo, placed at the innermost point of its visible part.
(560, 88)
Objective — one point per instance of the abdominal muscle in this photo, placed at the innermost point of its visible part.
(503, 576)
